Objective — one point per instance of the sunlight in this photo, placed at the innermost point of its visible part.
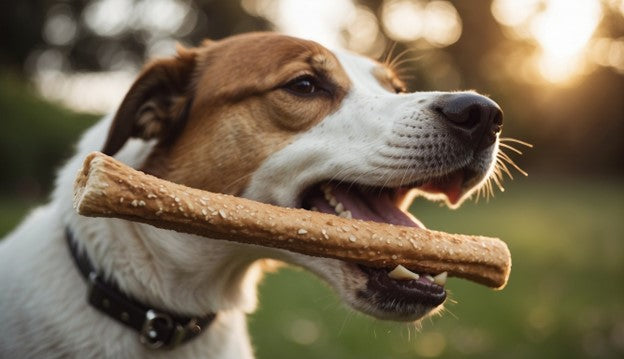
(91, 92)
(403, 19)
(514, 12)
(318, 20)
(561, 29)
(443, 25)
(608, 52)
(564, 27)
(437, 21)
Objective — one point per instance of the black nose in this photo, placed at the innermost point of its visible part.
(475, 119)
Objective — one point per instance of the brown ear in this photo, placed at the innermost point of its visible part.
(156, 104)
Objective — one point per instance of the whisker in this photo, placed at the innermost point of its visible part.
(504, 167)
(497, 180)
(511, 139)
(511, 148)
(392, 64)
(490, 189)
(508, 159)
(405, 77)
(406, 60)
(478, 194)
(388, 54)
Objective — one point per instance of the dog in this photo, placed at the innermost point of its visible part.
(264, 116)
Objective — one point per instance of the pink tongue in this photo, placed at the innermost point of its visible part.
(369, 205)
(451, 186)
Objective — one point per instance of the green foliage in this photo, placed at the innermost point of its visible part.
(36, 135)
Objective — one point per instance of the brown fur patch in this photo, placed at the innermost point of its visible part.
(241, 114)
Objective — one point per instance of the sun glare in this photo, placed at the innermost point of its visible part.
(437, 22)
(318, 20)
(561, 29)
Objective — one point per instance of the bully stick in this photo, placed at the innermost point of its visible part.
(108, 188)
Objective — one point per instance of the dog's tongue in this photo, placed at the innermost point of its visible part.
(369, 205)
(450, 185)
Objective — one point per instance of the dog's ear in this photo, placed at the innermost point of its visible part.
(156, 105)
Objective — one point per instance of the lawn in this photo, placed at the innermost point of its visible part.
(565, 298)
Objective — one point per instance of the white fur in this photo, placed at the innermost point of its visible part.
(43, 308)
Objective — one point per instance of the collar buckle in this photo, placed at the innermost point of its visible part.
(157, 330)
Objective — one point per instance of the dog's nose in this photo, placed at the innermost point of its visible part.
(474, 118)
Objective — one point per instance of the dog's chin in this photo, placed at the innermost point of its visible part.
(371, 290)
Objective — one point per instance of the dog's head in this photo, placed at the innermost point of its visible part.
(288, 122)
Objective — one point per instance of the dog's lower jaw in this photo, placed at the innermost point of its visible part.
(351, 285)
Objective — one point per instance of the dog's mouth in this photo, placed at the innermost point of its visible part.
(400, 286)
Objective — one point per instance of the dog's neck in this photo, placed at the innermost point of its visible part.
(181, 273)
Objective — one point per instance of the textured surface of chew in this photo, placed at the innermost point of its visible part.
(107, 188)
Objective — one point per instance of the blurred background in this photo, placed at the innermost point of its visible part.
(556, 67)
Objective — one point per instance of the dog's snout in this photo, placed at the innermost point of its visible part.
(474, 118)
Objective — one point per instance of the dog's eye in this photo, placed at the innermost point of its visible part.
(304, 85)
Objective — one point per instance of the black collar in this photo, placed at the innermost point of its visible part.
(157, 328)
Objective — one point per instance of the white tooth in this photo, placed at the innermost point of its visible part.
(333, 201)
(428, 277)
(440, 279)
(339, 208)
(402, 273)
(346, 214)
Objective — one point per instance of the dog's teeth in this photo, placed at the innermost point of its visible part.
(402, 273)
(440, 279)
(428, 277)
(339, 208)
(314, 209)
(333, 202)
(346, 214)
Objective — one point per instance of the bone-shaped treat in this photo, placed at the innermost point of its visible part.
(106, 187)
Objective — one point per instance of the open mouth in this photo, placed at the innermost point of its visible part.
(384, 204)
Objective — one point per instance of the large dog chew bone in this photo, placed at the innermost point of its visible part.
(107, 188)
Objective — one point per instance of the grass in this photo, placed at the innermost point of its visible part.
(565, 298)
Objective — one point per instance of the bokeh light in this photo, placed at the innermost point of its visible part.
(324, 20)
(60, 26)
(437, 22)
(430, 344)
(560, 29)
(402, 19)
(108, 17)
(362, 33)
